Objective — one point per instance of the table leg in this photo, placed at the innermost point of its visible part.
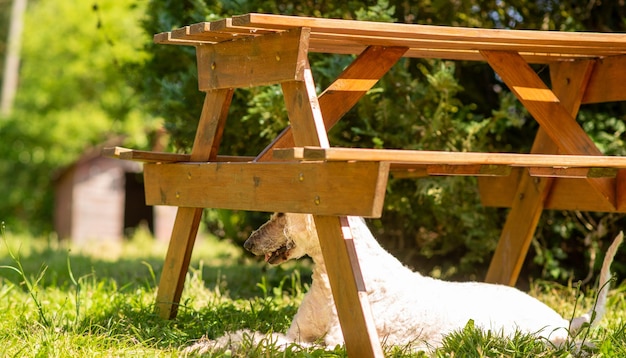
(349, 292)
(521, 222)
(569, 82)
(344, 274)
(208, 135)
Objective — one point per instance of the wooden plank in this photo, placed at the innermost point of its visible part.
(521, 221)
(253, 61)
(365, 71)
(425, 157)
(340, 258)
(576, 194)
(113, 152)
(184, 34)
(501, 191)
(608, 81)
(208, 32)
(569, 81)
(468, 170)
(338, 99)
(541, 102)
(355, 315)
(321, 188)
(225, 28)
(557, 121)
(162, 157)
(556, 172)
(165, 38)
(457, 43)
(418, 168)
(462, 44)
(472, 54)
(437, 33)
(176, 261)
(154, 157)
(346, 47)
(304, 111)
(206, 142)
(621, 191)
(402, 171)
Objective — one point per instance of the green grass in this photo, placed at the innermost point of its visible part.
(61, 301)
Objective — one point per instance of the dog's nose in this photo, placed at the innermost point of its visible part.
(247, 245)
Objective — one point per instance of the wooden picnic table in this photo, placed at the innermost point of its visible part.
(300, 172)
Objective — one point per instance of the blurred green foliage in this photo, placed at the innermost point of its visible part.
(74, 92)
(97, 74)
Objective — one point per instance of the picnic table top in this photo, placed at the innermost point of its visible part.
(424, 41)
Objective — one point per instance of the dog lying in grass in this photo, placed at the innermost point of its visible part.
(409, 309)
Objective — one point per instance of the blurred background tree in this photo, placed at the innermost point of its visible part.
(97, 73)
(76, 58)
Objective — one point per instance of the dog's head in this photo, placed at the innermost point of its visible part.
(284, 237)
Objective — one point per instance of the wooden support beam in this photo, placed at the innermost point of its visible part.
(208, 135)
(473, 170)
(569, 82)
(358, 328)
(353, 309)
(337, 188)
(564, 172)
(621, 191)
(555, 119)
(253, 61)
(358, 78)
(501, 192)
(521, 222)
(608, 81)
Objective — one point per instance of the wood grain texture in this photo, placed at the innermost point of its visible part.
(353, 308)
(500, 192)
(424, 157)
(321, 188)
(608, 81)
(475, 36)
(253, 61)
(423, 41)
(569, 82)
(304, 111)
(621, 191)
(208, 136)
(347, 285)
(554, 118)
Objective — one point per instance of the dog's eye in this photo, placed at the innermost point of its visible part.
(280, 215)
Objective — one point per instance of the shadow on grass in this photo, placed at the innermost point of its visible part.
(239, 292)
(238, 277)
(128, 320)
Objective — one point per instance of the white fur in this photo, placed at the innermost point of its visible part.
(408, 308)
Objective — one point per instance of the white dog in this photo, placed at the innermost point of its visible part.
(408, 309)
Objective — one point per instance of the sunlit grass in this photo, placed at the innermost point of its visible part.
(64, 301)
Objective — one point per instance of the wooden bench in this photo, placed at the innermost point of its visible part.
(258, 49)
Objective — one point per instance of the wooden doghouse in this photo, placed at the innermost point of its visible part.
(99, 198)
